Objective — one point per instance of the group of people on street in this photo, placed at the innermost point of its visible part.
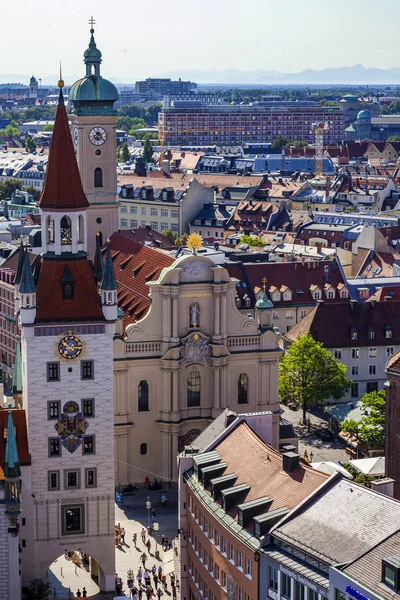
(119, 535)
(144, 583)
(82, 594)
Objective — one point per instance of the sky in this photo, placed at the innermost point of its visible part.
(150, 38)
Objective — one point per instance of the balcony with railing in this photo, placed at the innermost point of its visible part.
(142, 349)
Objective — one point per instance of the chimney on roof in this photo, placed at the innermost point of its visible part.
(291, 461)
(166, 166)
(140, 166)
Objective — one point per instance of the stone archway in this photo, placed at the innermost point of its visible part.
(184, 440)
(73, 571)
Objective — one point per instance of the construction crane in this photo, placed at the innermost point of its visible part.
(319, 129)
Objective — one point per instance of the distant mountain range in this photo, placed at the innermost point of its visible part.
(355, 75)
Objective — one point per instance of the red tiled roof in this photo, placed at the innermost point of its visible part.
(297, 276)
(131, 257)
(181, 180)
(393, 363)
(386, 293)
(21, 436)
(51, 307)
(145, 234)
(261, 467)
(34, 219)
(380, 260)
(362, 317)
(62, 187)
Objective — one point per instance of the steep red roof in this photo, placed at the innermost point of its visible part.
(21, 437)
(62, 187)
(52, 307)
(134, 266)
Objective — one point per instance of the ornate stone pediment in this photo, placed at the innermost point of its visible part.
(196, 349)
(195, 270)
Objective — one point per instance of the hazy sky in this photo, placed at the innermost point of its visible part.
(149, 38)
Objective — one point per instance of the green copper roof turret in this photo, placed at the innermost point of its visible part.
(27, 285)
(109, 282)
(11, 461)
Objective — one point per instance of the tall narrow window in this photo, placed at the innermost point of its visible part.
(81, 229)
(50, 230)
(65, 229)
(143, 396)
(193, 389)
(98, 177)
(243, 386)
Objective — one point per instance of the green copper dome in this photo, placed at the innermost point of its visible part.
(93, 95)
(264, 303)
(364, 114)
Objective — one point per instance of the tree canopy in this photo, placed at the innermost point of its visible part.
(123, 154)
(310, 375)
(369, 431)
(8, 187)
(147, 149)
(251, 240)
(393, 138)
(48, 127)
(281, 142)
(30, 144)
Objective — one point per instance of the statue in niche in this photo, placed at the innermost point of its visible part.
(194, 315)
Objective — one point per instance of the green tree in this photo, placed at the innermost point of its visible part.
(124, 154)
(281, 142)
(147, 149)
(32, 191)
(48, 127)
(11, 129)
(310, 375)
(357, 476)
(125, 123)
(392, 109)
(152, 112)
(393, 138)
(132, 110)
(8, 187)
(175, 238)
(251, 240)
(30, 144)
(370, 429)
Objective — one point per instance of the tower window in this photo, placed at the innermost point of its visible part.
(87, 369)
(67, 284)
(53, 409)
(243, 385)
(73, 519)
(143, 449)
(53, 371)
(54, 480)
(88, 444)
(54, 447)
(193, 389)
(65, 227)
(143, 396)
(98, 178)
(91, 477)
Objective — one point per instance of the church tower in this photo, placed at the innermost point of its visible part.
(67, 326)
(93, 128)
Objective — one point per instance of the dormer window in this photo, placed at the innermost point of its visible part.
(287, 295)
(388, 332)
(371, 333)
(391, 572)
(353, 334)
(276, 296)
(247, 302)
(317, 295)
(343, 293)
(238, 302)
(67, 284)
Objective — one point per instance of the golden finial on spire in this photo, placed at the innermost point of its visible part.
(60, 81)
(264, 280)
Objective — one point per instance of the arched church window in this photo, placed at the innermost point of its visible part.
(143, 396)
(81, 230)
(193, 389)
(50, 230)
(194, 315)
(65, 230)
(98, 177)
(243, 387)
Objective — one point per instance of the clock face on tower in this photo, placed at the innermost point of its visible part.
(76, 136)
(70, 346)
(98, 136)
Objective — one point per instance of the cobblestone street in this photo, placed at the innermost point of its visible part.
(132, 515)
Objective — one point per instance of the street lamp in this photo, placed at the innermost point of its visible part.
(148, 506)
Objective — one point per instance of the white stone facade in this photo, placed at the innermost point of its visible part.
(193, 335)
(44, 510)
(10, 581)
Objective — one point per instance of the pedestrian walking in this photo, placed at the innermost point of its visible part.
(155, 579)
(134, 539)
(159, 593)
(135, 596)
(148, 544)
(78, 594)
(143, 558)
(143, 535)
(84, 592)
(164, 582)
(172, 576)
(140, 593)
(122, 533)
(154, 569)
(159, 572)
(162, 541)
(139, 576)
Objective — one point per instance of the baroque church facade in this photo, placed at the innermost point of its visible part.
(192, 356)
(67, 322)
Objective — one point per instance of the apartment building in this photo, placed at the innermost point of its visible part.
(161, 203)
(231, 493)
(364, 336)
(159, 87)
(293, 288)
(193, 123)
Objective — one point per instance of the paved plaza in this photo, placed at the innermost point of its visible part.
(66, 578)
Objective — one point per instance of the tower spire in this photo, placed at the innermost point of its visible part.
(21, 256)
(27, 285)
(92, 56)
(108, 282)
(62, 187)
